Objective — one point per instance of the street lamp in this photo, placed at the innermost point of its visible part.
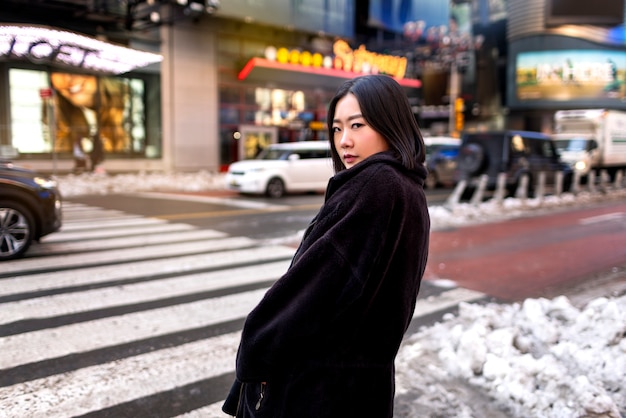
(450, 48)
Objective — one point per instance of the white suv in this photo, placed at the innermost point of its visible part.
(283, 168)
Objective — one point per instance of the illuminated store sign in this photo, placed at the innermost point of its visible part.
(364, 61)
(292, 65)
(50, 46)
(346, 59)
(567, 75)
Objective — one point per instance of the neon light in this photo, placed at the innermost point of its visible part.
(43, 45)
(328, 72)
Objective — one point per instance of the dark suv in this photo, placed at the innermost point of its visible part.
(512, 152)
(30, 207)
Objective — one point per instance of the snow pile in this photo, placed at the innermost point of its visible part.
(540, 358)
(102, 183)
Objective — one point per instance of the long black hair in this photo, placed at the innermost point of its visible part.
(385, 107)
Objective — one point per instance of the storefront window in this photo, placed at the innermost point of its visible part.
(299, 115)
(84, 114)
(229, 115)
(229, 94)
(28, 125)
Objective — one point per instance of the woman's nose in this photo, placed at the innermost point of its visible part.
(345, 140)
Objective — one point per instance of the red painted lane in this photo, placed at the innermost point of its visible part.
(526, 257)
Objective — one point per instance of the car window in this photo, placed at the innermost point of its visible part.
(574, 144)
(547, 149)
(273, 154)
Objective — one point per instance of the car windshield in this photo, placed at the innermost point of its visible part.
(575, 144)
(273, 154)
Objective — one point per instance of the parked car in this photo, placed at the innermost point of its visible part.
(441, 154)
(30, 208)
(515, 153)
(283, 168)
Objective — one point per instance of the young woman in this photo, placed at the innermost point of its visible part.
(322, 341)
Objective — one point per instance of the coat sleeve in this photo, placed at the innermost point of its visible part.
(327, 277)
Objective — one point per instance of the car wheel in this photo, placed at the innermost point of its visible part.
(275, 188)
(431, 180)
(17, 229)
(471, 158)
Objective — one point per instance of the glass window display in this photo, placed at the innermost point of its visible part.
(87, 116)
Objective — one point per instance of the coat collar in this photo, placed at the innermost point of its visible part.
(418, 174)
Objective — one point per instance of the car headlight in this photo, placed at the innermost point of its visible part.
(45, 183)
(580, 165)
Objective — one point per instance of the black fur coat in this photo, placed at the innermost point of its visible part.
(322, 341)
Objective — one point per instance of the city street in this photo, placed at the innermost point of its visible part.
(127, 315)
(137, 312)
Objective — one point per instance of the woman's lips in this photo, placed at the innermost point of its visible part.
(349, 158)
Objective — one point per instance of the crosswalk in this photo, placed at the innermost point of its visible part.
(119, 315)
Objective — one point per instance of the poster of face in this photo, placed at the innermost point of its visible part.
(90, 113)
(569, 75)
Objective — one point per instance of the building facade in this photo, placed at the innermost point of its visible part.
(224, 85)
(227, 78)
(563, 58)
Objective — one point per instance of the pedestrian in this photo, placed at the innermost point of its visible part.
(322, 341)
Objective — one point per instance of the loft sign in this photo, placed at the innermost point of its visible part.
(49, 46)
(44, 52)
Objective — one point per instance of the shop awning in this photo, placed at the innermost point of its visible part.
(261, 69)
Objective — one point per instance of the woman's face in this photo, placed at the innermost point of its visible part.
(79, 89)
(354, 139)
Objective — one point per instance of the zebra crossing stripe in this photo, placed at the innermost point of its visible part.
(76, 302)
(126, 255)
(109, 223)
(158, 268)
(67, 236)
(241, 203)
(127, 241)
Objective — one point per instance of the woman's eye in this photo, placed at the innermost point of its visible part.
(356, 125)
(336, 129)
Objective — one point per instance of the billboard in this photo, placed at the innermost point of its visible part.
(572, 75)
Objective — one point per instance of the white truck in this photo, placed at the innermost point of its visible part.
(591, 139)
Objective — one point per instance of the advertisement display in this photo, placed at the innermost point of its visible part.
(570, 76)
(89, 114)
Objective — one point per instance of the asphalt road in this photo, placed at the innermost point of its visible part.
(536, 256)
(139, 315)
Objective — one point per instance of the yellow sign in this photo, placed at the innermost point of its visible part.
(358, 61)
(363, 61)
(317, 125)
